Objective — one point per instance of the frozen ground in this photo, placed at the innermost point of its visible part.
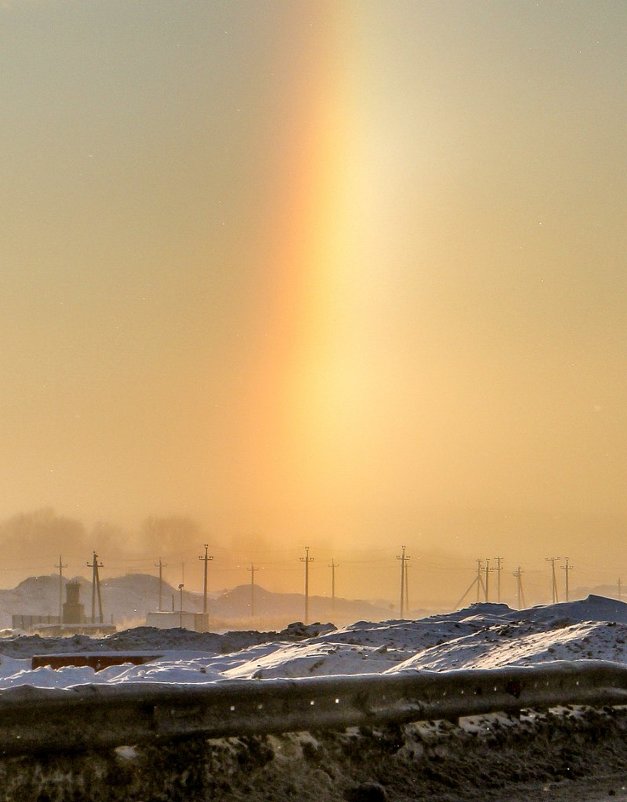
(481, 636)
(577, 755)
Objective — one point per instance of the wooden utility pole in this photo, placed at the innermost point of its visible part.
(206, 559)
(306, 559)
(479, 580)
(567, 568)
(619, 590)
(519, 588)
(181, 586)
(403, 558)
(252, 570)
(488, 571)
(499, 564)
(60, 566)
(553, 560)
(406, 587)
(333, 565)
(160, 565)
(95, 590)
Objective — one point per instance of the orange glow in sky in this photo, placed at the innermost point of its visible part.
(337, 274)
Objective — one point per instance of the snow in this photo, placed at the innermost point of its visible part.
(482, 636)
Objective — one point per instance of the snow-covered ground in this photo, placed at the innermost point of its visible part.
(481, 636)
(567, 754)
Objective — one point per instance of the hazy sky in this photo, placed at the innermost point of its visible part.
(347, 274)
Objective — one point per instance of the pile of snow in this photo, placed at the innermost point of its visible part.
(481, 636)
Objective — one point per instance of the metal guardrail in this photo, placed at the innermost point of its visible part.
(95, 717)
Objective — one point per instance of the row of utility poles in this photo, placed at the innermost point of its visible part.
(206, 558)
(481, 582)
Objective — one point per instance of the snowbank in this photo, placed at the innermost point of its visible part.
(481, 636)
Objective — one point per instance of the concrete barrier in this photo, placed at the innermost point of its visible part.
(98, 716)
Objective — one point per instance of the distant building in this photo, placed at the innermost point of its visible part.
(30, 622)
(73, 610)
(72, 623)
(196, 622)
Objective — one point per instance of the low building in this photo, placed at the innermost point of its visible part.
(30, 622)
(196, 622)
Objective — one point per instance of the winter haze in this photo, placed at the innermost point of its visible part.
(347, 275)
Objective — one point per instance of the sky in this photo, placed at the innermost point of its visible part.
(348, 275)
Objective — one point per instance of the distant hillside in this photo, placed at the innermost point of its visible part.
(236, 604)
(127, 599)
(611, 591)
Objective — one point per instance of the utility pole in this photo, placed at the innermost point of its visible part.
(403, 558)
(252, 570)
(499, 563)
(567, 568)
(60, 566)
(160, 565)
(487, 579)
(619, 590)
(306, 559)
(553, 560)
(95, 589)
(406, 587)
(333, 566)
(206, 558)
(519, 588)
(479, 580)
(181, 586)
